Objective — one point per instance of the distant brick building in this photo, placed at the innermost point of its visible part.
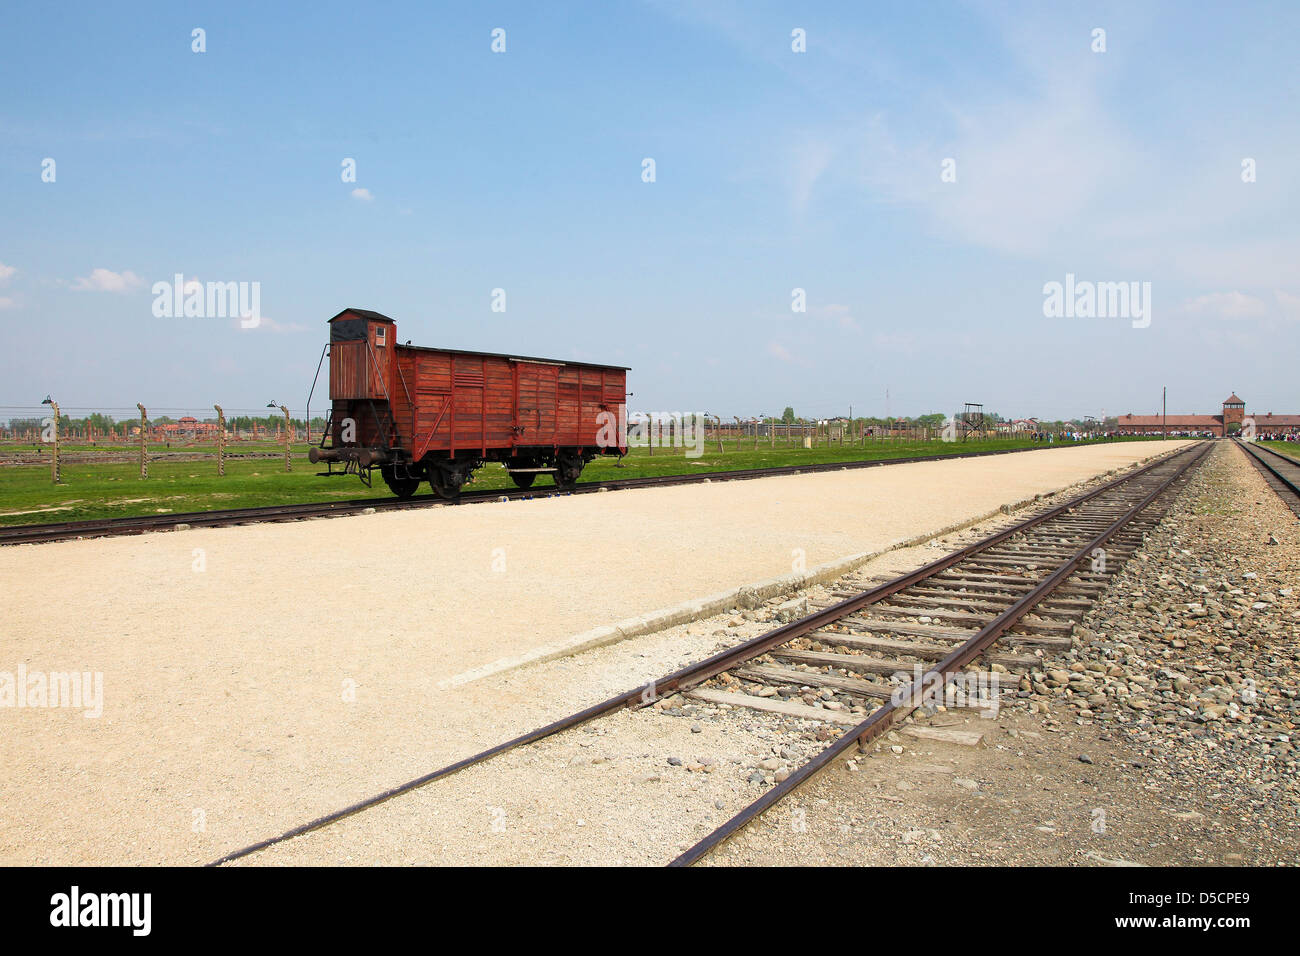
(1231, 421)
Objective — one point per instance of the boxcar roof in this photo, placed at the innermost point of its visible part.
(377, 316)
(365, 314)
(511, 355)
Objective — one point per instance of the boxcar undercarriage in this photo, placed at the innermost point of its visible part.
(446, 474)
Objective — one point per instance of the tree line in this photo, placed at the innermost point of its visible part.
(932, 420)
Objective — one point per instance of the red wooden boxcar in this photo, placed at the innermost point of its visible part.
(430, 414)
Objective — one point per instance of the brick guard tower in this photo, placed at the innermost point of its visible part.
(1234, 411)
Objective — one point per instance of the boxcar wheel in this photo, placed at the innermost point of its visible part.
(567, 470)
(402, 487)
(447, 482)
(523, 480)
(442, 487)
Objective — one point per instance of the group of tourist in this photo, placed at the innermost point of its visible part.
(1063, 436)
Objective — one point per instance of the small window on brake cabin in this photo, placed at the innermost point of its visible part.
(379, 336)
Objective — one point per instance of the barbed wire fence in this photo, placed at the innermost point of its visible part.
(30, 434)
(72, 434)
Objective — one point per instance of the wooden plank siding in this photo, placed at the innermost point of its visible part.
(535, 405)
(471, 404)
(453, 403)
(348, 370)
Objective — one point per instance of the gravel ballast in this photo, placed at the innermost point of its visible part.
(1166, 736)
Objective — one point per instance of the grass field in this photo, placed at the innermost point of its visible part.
(1291, 448)
(111, 490)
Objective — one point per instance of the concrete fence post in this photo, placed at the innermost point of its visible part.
(144, 435)
(221, 440)
(54, 467)
(287, 439)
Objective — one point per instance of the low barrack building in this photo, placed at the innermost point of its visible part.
(189, 428)
(1232, 421)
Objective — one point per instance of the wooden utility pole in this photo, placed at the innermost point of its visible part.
(144, 432)
(1164, 413)
(221, 440)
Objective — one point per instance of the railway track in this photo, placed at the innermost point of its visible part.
(1001, 605)
(1282, 472)
(142, 524)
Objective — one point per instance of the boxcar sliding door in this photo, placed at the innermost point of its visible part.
(535, 403)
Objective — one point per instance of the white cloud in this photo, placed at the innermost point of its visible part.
(837, 313)
(1290, 304)
(363, 194)
(833, 313)
(1026, 179)
(898, 343)
(106, 280)
(1050, 171)
(807, 162)
(6, 302)
(267, 324)
(1226, 305)
(6, 272)
(783, 354)
(779, 351)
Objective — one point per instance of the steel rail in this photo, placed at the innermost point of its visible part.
(701, 671)
(883, 717)
(1253, 449)
(140, 524)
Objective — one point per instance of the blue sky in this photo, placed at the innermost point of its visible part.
(775, 170)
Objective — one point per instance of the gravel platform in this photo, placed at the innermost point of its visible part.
(257, 677)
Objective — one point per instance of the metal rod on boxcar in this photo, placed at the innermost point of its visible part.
(312, 392)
